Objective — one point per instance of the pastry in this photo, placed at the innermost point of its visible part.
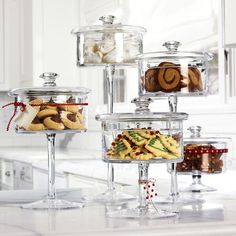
(171, 144)
(70, 108)
(143, 144)
(151, 84)
(36, 101)
(71, 120)
(36, 125)
(156, 147)
(203, 162)
(54, 122)
(169, 77)
(122, 148)
(46, 112)
(135, 138)
(48, 106)
(195, 81)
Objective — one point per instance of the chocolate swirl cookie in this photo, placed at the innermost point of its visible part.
(169, 77)
(195, 81)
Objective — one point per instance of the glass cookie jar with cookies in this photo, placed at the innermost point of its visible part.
(142, 136)
(173, 72)
(203, 155)
(50, 108)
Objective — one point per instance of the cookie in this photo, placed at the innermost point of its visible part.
(46, 112)
(54, 122)
(36, 125)
(71, 120)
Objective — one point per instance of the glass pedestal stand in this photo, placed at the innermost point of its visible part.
(197, 185)
(146, 209)
(51, 201)
(174, 197)
(110, 195)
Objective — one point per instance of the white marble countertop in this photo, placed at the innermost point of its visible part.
(214, 217)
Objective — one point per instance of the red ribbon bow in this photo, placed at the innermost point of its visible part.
(16, 104)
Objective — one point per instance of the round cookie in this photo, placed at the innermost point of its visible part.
(36, 101)
(70, 108)
(150, 82)
(71, 120)
(46, 112)
(54, 122)
(36, 125)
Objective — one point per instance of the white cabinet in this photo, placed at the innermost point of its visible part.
(40, 179)
(229, 19)
(15, 43)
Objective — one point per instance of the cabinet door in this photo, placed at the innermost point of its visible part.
(229, 18)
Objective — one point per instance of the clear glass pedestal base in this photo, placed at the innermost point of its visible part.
(48, 203)
(198, 188)
(109, 197)
(150, 212)
(179, 200)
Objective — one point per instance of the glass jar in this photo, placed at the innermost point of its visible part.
(203, 155)
(50, 108)
(142, 136)
(173, 72)
(109, 43)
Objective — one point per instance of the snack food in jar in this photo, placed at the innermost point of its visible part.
(109, 43)
(173, 72)
(50, 108)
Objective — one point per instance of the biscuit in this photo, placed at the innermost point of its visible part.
(71, 120)
(46, 112)
(54, 123)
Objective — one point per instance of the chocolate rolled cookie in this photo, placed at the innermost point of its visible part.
(150, 82)
(54, 122)
(195, 80)
(169, 77)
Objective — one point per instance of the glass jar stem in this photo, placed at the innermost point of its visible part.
(51, 166)
(174, 183)
(143, 179)
(197, 179)
(109, 72)
(172, 100)
(109, 75)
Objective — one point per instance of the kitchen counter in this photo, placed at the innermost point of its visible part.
(214, 217)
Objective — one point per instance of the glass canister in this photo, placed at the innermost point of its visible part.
(203, 155)
(109, 43)
(173, 72)
(50, 108)
(143, 135)
(143, 138)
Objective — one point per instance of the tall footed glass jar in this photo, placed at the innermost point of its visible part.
(50, 110)
(111, 45)
(142, 138)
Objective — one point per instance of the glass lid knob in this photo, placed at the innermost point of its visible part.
(49, 79)
(172, 46)
(195, 131)
(107, 20)
(142, 104)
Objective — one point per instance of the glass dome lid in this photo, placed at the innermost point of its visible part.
(109, 26)
(49, 88)
(172, 53)
(142, 114)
